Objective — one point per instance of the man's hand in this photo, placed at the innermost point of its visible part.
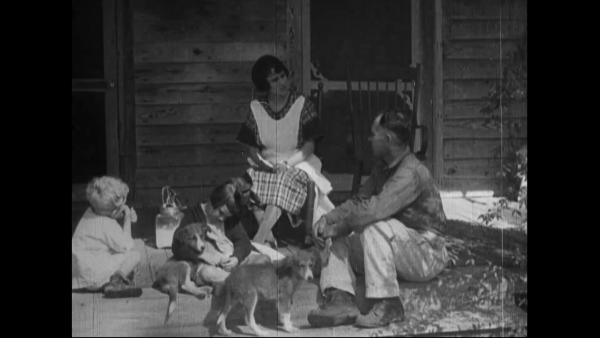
(318, 228)
(322, 231)
(229, 263)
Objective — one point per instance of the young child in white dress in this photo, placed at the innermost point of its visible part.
(102, 250)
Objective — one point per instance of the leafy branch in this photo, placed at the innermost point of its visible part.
(512, 87)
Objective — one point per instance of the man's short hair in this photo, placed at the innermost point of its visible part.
(262, 68)
(398, 123)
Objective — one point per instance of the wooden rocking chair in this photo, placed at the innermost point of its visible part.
(367, 97)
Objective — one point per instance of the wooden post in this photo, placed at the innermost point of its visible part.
(110, 75)
(438, 97)
(305, 16)
(294, 38)
(125, 94)
(426, 96)
(415, 33)
(298, 23)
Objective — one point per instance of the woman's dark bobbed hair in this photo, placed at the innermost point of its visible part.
(261, 69)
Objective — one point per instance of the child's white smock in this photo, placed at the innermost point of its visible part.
(98, 249)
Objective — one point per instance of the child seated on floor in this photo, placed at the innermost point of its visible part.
(225, 216)
(102, 251)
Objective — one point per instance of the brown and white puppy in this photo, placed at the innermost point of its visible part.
(175, 275)
(248, 283)
(192, 247)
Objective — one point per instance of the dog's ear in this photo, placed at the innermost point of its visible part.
(203, 230)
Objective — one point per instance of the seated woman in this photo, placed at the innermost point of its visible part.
(281, 130)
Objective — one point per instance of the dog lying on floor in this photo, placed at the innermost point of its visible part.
(189, 244)
(248, 283)
(192, 246)
(174, 276)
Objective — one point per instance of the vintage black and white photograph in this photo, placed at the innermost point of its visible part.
(288, 168)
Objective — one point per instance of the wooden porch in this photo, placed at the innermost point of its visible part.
(93, 315)
(177, 86)
(475, 296)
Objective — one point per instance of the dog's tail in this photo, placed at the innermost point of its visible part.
(170, 290)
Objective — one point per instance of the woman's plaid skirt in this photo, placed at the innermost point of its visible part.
(286, 189)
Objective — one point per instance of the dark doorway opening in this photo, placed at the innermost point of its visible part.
(374, 37)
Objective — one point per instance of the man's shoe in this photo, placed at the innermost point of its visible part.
(120, 287)
(383, 313)
(338, 309)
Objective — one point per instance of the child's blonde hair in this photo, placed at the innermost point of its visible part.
(106, 193)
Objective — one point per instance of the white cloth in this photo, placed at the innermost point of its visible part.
(98, 249)
(223, 247)
(274, 255)
(280, 138)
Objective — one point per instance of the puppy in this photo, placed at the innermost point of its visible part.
(248, 283)
(189, 241)
(175, 275)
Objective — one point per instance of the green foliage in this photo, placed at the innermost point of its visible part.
(512, 87)
(517, 176)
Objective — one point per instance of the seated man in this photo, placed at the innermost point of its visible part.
(390, 230)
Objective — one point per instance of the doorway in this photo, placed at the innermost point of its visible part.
(374, 35)
(102, 116)
(94, 108)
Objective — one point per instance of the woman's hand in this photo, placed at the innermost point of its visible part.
(302, 154)
(264, 237)
(281, 167)
(229, 263)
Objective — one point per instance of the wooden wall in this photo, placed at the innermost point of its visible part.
(192, 61)
(472, 53)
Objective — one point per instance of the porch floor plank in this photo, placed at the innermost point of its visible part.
(93, 315)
